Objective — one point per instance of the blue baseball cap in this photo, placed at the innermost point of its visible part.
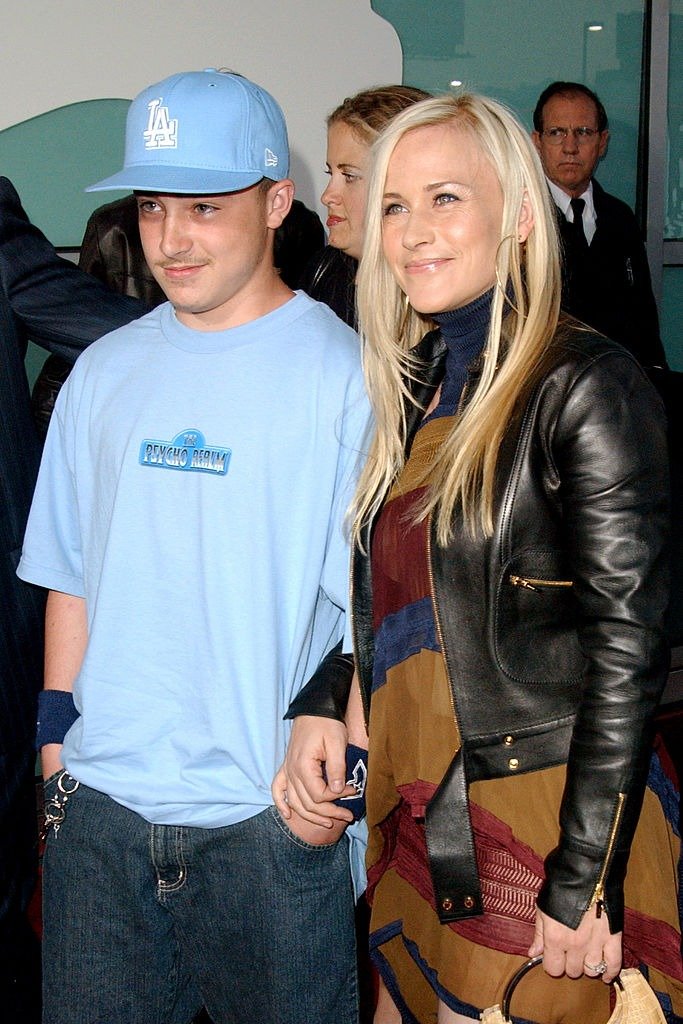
(201, 132)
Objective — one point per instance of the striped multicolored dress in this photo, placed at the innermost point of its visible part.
(413, 738)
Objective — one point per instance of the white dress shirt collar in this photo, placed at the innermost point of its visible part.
(562, 200)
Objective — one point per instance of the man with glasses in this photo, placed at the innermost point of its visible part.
(606, 278)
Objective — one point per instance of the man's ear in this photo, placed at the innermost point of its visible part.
(604, 139)
(279, 200)
(525, 221)
(536, 139)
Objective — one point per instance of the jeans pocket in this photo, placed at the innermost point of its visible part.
(303, 842)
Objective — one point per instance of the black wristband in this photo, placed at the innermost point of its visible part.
(56, 714)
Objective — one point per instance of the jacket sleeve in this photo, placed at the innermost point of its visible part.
(326, 693)
(298, 238)
(59, 306)
(90, 257)
(608, 447)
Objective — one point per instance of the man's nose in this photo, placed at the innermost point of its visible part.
(571, 143)
(174, 237)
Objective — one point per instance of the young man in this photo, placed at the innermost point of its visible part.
(188, 523)
(606, 277)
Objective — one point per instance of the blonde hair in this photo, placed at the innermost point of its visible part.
(523, 322)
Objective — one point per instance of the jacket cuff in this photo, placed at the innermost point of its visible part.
(326, 694)
(571, 879)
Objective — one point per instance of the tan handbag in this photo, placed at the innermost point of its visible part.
(636, 1003)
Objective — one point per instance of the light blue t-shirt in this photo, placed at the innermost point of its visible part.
(193, 491)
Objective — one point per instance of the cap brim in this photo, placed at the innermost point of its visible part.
(183, 180)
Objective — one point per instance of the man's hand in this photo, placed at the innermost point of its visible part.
(300, 785)
(315, 835)
(580, 951)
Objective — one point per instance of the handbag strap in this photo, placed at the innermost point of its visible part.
(517, 977)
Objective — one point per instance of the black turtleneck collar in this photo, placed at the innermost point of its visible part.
(464, 330)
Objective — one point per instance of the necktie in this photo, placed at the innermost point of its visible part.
(577, 206)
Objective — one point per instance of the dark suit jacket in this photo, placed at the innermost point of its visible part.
(58, 306)
(609, 286)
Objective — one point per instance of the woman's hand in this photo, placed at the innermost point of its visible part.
(577, 952)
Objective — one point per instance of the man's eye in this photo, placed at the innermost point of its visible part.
(204, 208)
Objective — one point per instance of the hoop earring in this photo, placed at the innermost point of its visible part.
(499, 284)
(405, 312)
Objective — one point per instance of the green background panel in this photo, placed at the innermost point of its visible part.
(51, 158)
(672, 315)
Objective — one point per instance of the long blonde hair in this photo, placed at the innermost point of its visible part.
(521, 324)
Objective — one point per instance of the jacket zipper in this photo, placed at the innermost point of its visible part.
(598, 898)
(530, 583)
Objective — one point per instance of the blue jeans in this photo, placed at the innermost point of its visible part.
(145, 923)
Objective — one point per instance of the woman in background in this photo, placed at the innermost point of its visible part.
(351, 129)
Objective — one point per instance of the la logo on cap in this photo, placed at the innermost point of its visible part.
(161, 131)
(201, 133)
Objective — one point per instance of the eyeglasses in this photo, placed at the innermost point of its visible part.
(556, 136)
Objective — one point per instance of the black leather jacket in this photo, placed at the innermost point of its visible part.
(330, 277)
(552, 628)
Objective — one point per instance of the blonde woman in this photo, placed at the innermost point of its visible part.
(509, 587)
